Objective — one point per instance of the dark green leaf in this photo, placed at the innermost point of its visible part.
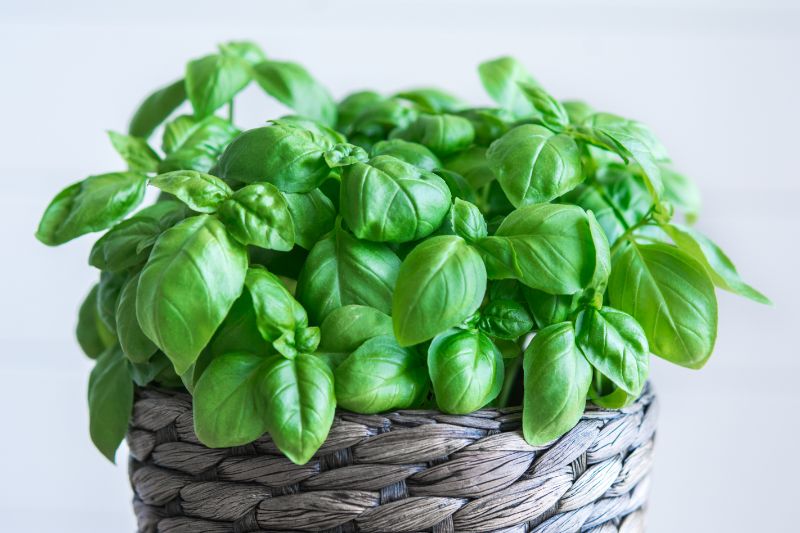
(313, 215)
(93, 204)
(505, 319)
(259, 215)
(157, 108)
(466, 370)
(557, 379)
(671, 296)
(134, 343)
(459, 187)
(277, 312)
(535, 165)
(110, 401)
(468, 221)
(214, 80)
(349, 326)
(381, 376)
(473, 165)
(144, 374)
(93, 336)
(108, 291)
(441, 283)
(294, 87)
(135, 152)
(351, 107)
(239, 331)
(196, 257)
(117, 250)
(548, 309)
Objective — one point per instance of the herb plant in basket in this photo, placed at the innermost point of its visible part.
(384, 253)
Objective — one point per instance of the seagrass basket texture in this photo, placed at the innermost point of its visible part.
(407, 471)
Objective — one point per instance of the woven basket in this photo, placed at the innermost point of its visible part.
(404, 471)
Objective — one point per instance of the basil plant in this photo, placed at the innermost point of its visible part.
(384, 252)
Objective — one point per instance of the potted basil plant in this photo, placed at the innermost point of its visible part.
(386, 313)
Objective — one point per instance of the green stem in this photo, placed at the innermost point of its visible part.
(510, 378)
(230, 111)
(629, 232)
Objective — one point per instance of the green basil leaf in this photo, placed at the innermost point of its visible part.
(548, 309)
(349, 326)
(607, 395)
(466, 370)
(442, 134)
(489, 123)
(602, 264)
(93, 204)
(557, 379)
(247, 50)
(473, 165)
(118, 249)
(341, 270)
(143, 374)
(376, 121)
(239, 331)
(505, 319)
(459, 187)
(388, 200)
(197, 257)
(577, 111)
(468, 221)
(616, 345)
(201, 192)
(294, 87)
(547, 247)
(192, 144)
(258, 214)
(227, 404)
(552, 112)
(108, 291)
(110, 401)
(431, 100)
(535, 165)
(135, 152)
(277, 312)
(345, 154)
(670, 294)
(410, 152)
(721, 269)
(352, 106)
(92, 334)
(682, 192)
(214, 80)
(381, 376)
(441, 283)
(322, 131)
(307, 339)
(501, 78)
(633, 141)
(313, 215)
(289, 157)
(300, 404)
(156, 108)
(134, 343)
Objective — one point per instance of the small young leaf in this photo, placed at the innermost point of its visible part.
(259, 215)
(214, 80)
(557, 379)
(468, 221)
(441, 283)
(156, 108)
(110, 401)
(277, 312)
(201, 192)
(345, 154)
(294, 87)
(553, 113)
(381, 376)
(505, 319)
(135, 151)
(501, 78)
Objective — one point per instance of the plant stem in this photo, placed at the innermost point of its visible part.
(510, 378)
(230, 111)
(629, 232)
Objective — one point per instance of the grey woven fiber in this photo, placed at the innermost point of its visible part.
(408, 471)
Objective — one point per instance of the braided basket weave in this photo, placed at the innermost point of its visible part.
(408, 471)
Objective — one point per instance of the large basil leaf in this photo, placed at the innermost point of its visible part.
(201, 192)
(671, 296)
(388, 200)
(466, 370)
(196, 257)
(349, 326)
(277, 312)
(501, 78)
(93, 204)
(557, 379)
(258, 214)
(441, 283)
(551, 111)
(135, 151)
(294, 87)
(615, 344)
(721, 269)
(381, 376)
(110, 401)
(633, 141)
(505, 319)
(548, 309)
(547, 247)
(289, 157)
(432, 100)
(300, 404)
(156, 108)
(192, 144)
(92, 334)
(134, 343)
(341, 270)
(214, 80)
(228, 407)
(535, 165)
(313, 215)
(443, 134)
(410, 152)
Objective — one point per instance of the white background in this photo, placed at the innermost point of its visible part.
(717, 80)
